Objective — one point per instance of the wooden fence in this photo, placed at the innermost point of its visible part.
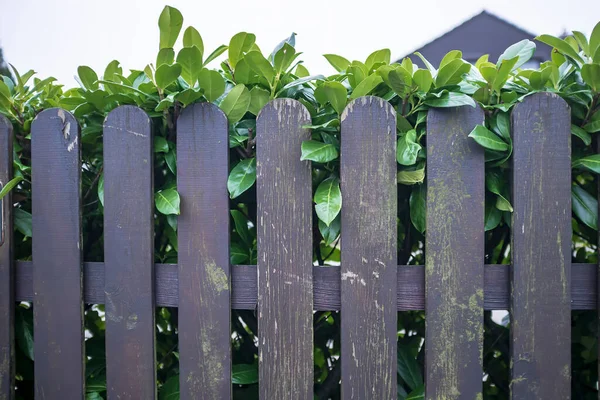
(540, 288)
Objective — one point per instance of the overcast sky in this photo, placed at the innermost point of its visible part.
(53, 37)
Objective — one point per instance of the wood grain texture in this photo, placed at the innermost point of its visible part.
(7, 291)
(541, 249)
(326, 285)
(285, 290)
(57, 257)
(369, 250)
(129, 255)
(455, 255)
(203, 237)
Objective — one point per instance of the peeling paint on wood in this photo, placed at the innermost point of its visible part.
(285, 291)
(7, 272)
(541, 309)
(369, 250)
(455, 255)
(203, 235)
(129, 255)
(56, 254)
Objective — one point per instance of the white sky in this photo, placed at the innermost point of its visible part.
(53, 37)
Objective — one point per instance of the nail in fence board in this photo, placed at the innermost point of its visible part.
(541, 249)
(129, 254)
(285, 291)
(7, 299)
(369, 250)
(455, 255)
(203, 233)
(57, 258)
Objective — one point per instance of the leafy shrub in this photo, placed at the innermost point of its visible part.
(242, 84)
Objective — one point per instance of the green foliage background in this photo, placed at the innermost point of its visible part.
(241, 85)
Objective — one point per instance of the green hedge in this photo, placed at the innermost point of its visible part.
(241, 85)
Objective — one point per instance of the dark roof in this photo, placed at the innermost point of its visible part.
(484, 33)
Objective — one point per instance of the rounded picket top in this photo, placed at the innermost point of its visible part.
(123, 118)
(207, 112)
(367, 102)
(555, 108)
(56, 124)
(284, 108)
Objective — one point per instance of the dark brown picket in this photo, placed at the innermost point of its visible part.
(541, 249)
(455, 255)
(7, 292)
(57, 256)
(285, 289)
(369, 250)
(129, 254)
(203, 232)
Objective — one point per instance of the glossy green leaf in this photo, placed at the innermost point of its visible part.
(241, 226)
(260, 65)
(236, 103)
(338, 62)
(258, 98)
(423, 79)
(22, 221)
(170, 389)
(585, 206)
(451, 73)
(160, 144)
(591, 163)
(449, 99)
(211, 83)
(330, 232)
(488, 139)
(166, 75)
(241, 177)
(378, 56)
(216, 53)
(590, 73)
(10, 185)
(244, 374)
(328, 200)
(190, 59)
(333, 93)
(88, 78)
(561, 46)
(581, 134)
(411, 177)
(366, 86)
(191, 37)
(167, 201)
(418, 207)
(165, 56)
(239, 45)
(523, 50)
(169, 24)
(408, 367)
(318, 151)
(407, 149)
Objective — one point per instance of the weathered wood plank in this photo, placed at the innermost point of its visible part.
(57, 257)
(203, 237)
(7, 293)
(285, 291)
(541, 249)
(129, 255)
(326, 284)
(369, 250)
(455, 255)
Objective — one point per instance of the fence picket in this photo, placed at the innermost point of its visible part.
(129, 254)
(369, 250)
(454, 257)
(285, 290)
(203, 231)
(57, 257)
(7, 293)
(541, 249)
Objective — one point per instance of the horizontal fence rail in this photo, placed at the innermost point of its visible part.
(454, 287)
(410, 295)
